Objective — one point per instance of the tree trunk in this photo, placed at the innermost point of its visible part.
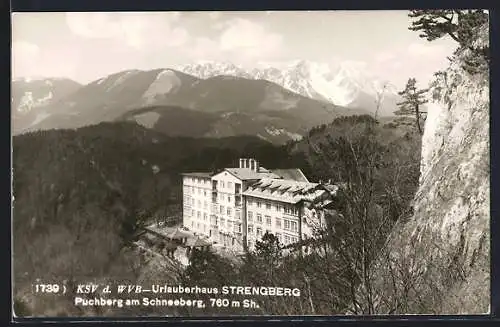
(417, 114)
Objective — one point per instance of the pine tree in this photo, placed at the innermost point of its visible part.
(460, 25)
(413, 98)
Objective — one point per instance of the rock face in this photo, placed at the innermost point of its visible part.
(437, 262)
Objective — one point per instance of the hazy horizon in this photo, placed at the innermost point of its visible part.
(87, 46)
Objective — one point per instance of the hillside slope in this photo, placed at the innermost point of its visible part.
(30, 99)
(79, 195)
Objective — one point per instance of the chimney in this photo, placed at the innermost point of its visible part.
(252, 164)
(257, 167)
(242, 162)
(247, 165)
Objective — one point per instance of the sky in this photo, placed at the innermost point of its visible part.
(88, 46)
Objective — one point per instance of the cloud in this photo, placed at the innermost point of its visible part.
(419, 49)
(25, 58)
(215, 15)
(31, 60)
(384, 56)
(205, 48)
(136, 30)
(249, 37)
(239, 40)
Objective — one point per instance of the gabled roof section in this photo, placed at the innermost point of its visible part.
(294, 174)
(248, 174)
(288, 191)
(198, 174)
(179, 234)
(195, 242)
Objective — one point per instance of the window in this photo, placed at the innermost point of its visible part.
(268, 206)
(229, 198)
(294, 226)
(250, 229)
(280, 237)
(268, 220)
(229, 224)
(287, 239)
(192, 224)
(259, 204)
(259, 232)
(259, 218)
(221, 209)
(287, 224)
(222, 184)
(198, 225)
(287, 210)
(277, 207)
(249, 202)
(204, 193)
(278, 222)
(229, 211)
(250, 216)
(205, 217)
(222, 222)
(239, 228)
(198, 214)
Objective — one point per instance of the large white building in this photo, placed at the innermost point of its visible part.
(237, 206)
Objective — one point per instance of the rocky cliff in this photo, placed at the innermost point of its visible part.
(437, 261)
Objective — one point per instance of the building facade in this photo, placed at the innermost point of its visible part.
(237, 206)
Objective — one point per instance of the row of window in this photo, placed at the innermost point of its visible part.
(286, 239)
(196, 190)
(230, 225)
(279, 207)
(197, 180)
(287, 224)
(204, 204)
(225, 184)
(198, 226)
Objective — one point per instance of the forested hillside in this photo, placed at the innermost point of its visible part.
(81, 194)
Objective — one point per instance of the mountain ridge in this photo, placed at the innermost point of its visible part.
(257, 107)
(344, 84)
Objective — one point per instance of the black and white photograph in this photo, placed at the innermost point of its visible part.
(250, 163)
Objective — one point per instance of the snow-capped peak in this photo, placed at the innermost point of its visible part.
(339, 83)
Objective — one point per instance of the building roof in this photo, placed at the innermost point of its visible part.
(248, 174)
(284, 190)
(195, 242)
(178, 234)
(198, 174)
(291, 174)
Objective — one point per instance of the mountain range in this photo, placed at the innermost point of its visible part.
(213, 99)
(345, 84)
